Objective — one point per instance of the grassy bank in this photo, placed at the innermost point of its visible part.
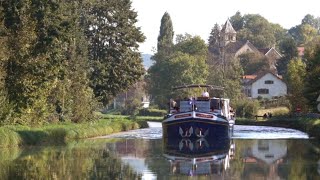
(62, 132)
(309, 125)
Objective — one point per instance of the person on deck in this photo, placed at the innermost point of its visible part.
(205, 94)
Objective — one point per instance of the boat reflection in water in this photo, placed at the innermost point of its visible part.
(198, 157)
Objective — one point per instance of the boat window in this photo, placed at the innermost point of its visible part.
(214, 104)
(203, 106)
(185, 106)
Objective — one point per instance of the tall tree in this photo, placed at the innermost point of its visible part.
(227, 75)
(295, 78)
(34, 56)
(312, 87)
(113, 38)
(165, 38)
(185, 65)
(73, 76)
(214, 37)
(289, 51)
(237, 21)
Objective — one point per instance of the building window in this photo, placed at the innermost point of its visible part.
(268, 82)
(263, 91)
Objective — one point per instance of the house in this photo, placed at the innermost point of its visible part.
(228, 47)
(265, 84)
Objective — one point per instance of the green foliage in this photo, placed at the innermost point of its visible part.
(247, 108)
(227, 75)
(165, 38)
(288, 49)
(152, 112)
(214, 37)
(237, 21)
(257, 30)
(296, 79)
(186, 65)
(312, 87)
(252, 63)
(50, 50)
(113, 47)
(63, 132)
(307, 30)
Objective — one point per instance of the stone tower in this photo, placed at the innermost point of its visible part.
(227, 34)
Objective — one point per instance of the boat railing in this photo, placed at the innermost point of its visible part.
(200, 104)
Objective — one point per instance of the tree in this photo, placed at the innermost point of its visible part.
(46, 64)
(307, 30)
(165, 38)
(259, 31)
(295, 78)
(252, 63)
(185, 65)
(237, 21)
(312, 87)
(113, 39)
(227, 75)
(34, 58)
(289, 51)
(214, 37)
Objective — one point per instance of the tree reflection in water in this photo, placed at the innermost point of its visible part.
(109, 159)
(68, 163)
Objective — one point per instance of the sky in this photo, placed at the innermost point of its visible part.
(197, 17)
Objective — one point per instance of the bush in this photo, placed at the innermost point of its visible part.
(247, 108)
(152, 112)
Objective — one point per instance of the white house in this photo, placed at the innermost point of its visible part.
(265, 85)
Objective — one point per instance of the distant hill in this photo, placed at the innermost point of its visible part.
(147, 62)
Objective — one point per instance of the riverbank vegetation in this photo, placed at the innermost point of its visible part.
(60, 133)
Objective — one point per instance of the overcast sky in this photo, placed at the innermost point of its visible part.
(197, 17)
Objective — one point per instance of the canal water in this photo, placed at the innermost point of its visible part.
(253, 153)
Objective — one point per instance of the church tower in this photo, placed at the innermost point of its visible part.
(227, 34)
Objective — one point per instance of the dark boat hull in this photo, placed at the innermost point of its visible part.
(194, 128)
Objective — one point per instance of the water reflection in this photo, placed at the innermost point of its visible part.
(263, 158)
(141, 158)
(198, 157)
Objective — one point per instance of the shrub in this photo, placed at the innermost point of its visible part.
(247, 108)
(152, 112)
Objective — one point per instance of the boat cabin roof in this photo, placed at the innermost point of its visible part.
(198, 86)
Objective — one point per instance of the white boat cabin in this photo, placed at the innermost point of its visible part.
(217, 106)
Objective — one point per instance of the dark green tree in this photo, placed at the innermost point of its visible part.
(252, 63)
(214, 37)
(237, 21)
(289, 51)
(34, 57)
(257, 30)
(46, 64)
(113, 39)
(312, 86)
(165, 38)
(295, 78)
